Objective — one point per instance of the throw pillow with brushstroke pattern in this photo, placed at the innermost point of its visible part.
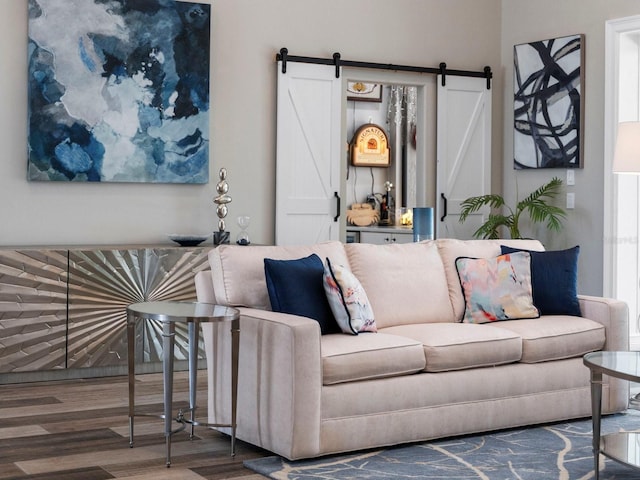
(497, 288)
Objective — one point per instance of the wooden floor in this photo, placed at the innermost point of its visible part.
(78, 430)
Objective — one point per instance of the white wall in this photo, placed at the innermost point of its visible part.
(524, 21)
(246, 34)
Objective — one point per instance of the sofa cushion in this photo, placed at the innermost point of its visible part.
(497, 288)
(296, 287)
(238, 271)
(405, 283)
(349, 358)
(457, 346)
(451, 248)
(554, 277)
(348, 300)
(553, 337)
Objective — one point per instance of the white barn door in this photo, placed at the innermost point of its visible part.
(463, 152)
(308, 157)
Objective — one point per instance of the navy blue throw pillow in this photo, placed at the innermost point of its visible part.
(296, 287)
(554, 280)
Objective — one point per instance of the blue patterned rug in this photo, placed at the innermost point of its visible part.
(557, 451)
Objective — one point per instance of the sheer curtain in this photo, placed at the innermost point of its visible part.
(628, 197)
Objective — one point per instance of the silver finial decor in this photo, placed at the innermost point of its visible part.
(222, 188)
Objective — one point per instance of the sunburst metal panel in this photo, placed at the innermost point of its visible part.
(33, 309)
(102, 283)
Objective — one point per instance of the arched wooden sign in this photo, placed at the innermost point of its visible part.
(370, 147)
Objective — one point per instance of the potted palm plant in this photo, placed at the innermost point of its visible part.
(502, 216)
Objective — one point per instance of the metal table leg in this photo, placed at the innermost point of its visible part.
(168, 335)
(596, 409)
(131, 340)
(235, 349)
(194, 330)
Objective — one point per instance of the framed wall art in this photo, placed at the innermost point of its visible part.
(364, 92)
(118, 91)
(548, 103)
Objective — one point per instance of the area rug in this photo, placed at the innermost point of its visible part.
(557, 451)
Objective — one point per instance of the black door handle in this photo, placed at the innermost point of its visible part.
(444, 213)
(335, 194)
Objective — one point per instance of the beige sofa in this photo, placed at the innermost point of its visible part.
(423, 375)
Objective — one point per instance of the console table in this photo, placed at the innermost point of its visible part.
(380, 235)
(62, 308)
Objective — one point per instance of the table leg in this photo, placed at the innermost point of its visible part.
(131, 340)
(194, 330)
(168, 335)
(235, 352)
(596, 409)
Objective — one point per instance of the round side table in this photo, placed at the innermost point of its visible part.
(622, 447)
(191, 313)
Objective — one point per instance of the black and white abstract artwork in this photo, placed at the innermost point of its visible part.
(548, 103)
(118, 91)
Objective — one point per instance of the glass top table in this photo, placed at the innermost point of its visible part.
(622, 447)
(169, 314)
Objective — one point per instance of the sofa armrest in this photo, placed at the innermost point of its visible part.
(279, 380)
(613, 314)
(204, 287)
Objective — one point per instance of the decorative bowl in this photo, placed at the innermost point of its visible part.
(187, 240)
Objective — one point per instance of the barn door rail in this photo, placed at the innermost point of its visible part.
(337, 60)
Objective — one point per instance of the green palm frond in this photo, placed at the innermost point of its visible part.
(549, 190)
(541, 212)
(535, 205)
(473, 204)
(491, 227)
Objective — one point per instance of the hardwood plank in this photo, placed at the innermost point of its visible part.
(10, 470)
(82, 474)
(23, 431)
(52, 445)
(27, 401)
(167, 474)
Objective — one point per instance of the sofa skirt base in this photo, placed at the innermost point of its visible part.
(393, 428)
(521, 400)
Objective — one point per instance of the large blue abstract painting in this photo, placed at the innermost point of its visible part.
(119, 91)
(548, 105)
